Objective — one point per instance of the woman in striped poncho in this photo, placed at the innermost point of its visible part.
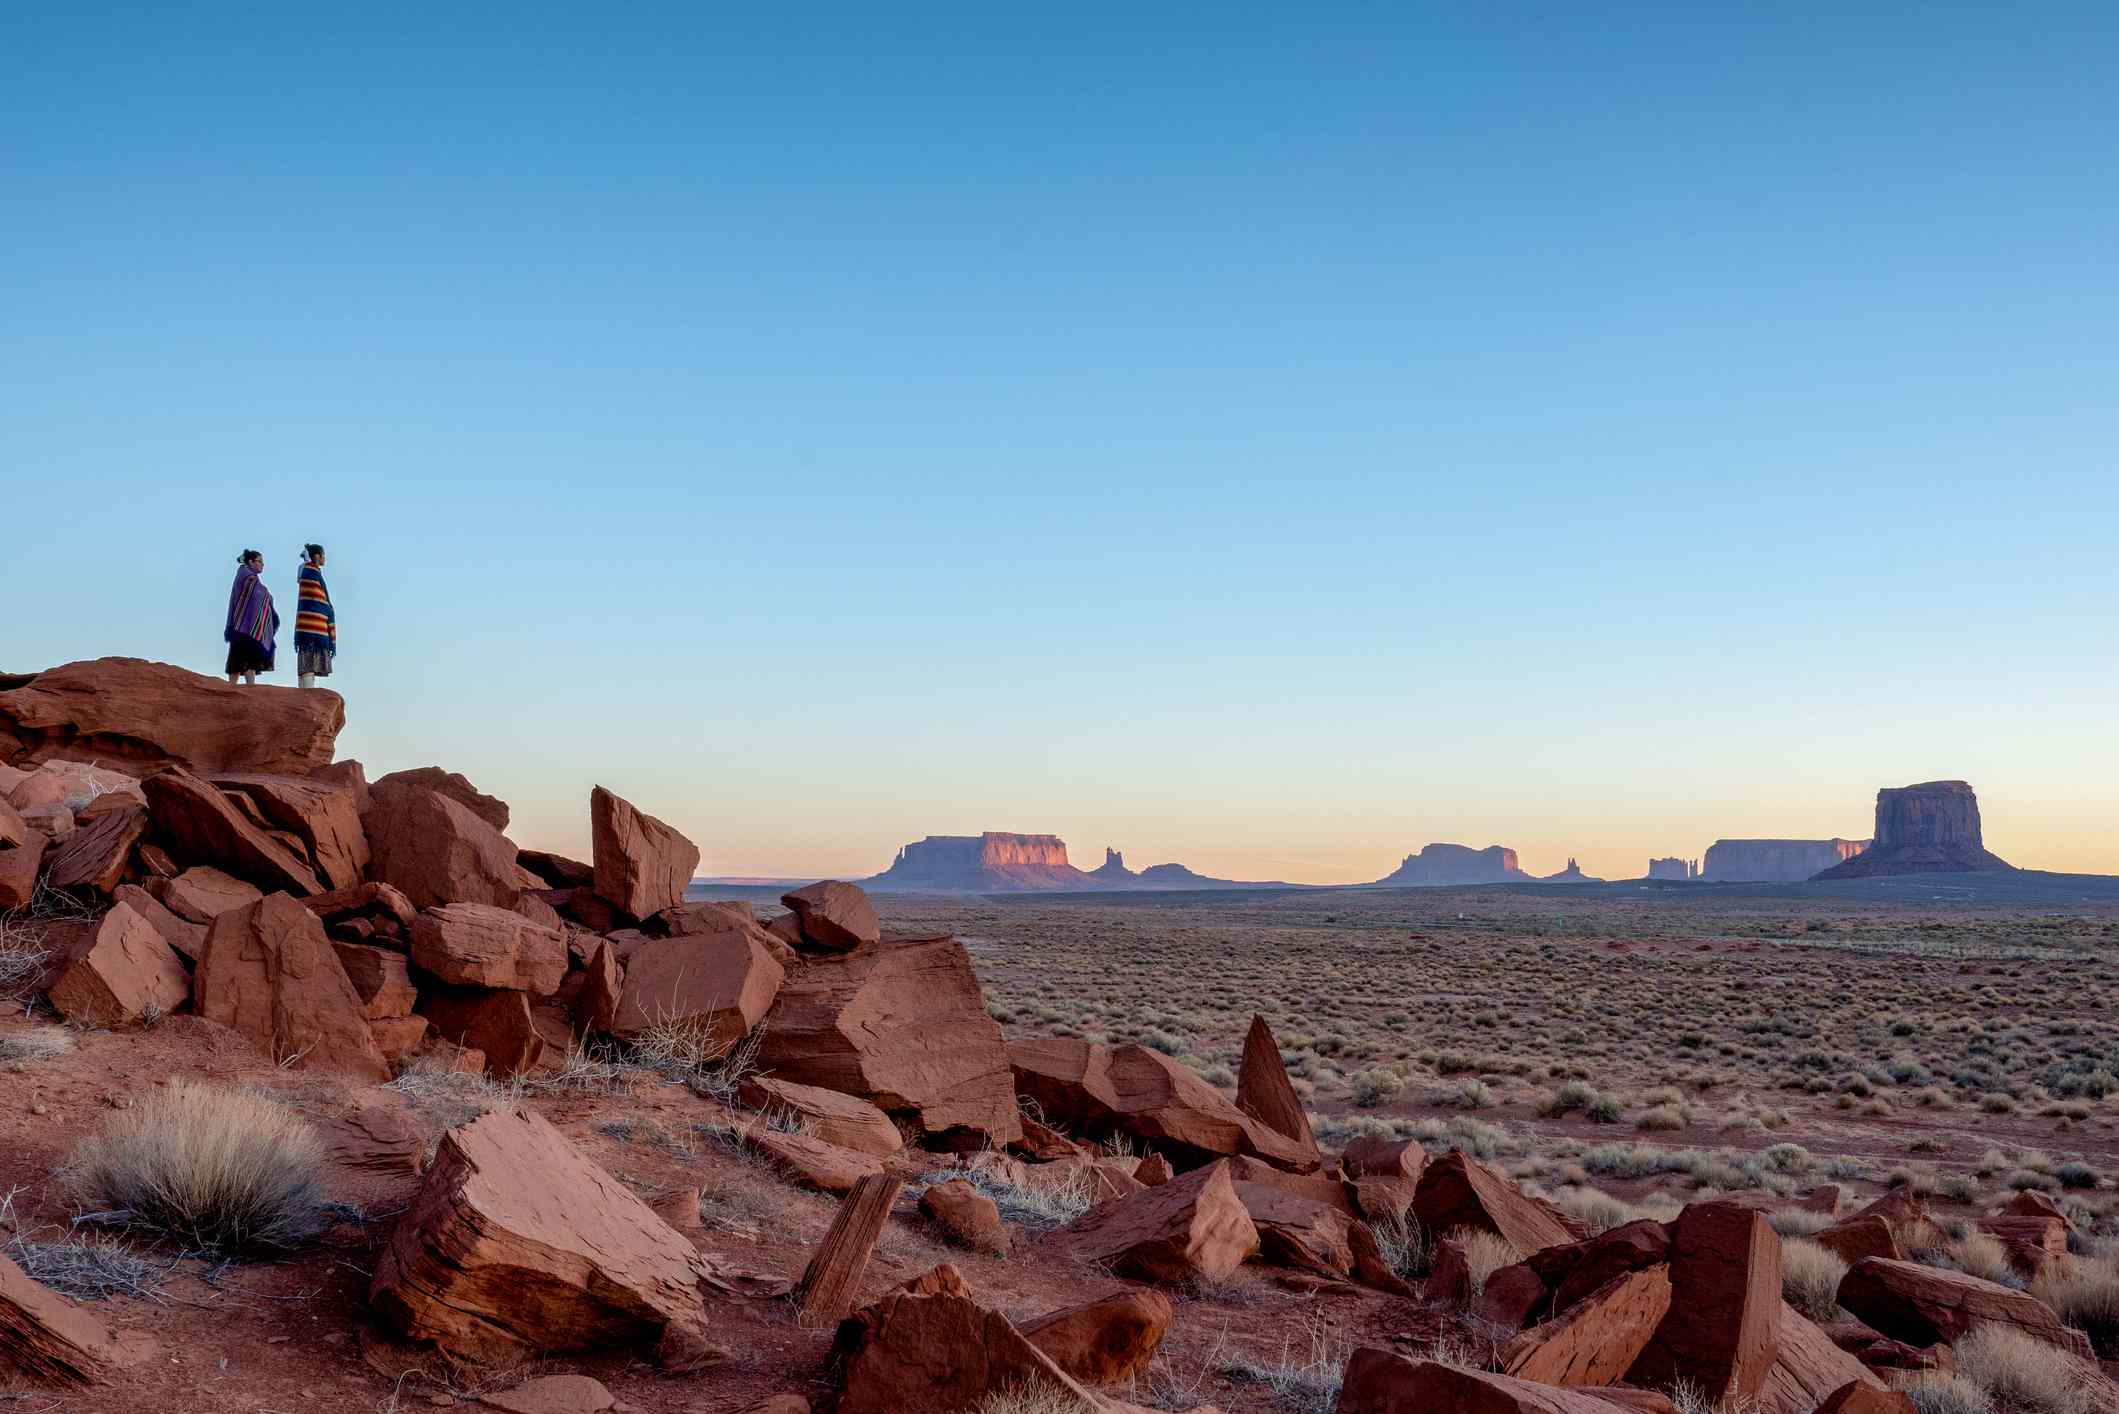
(315, 624)
(253, 624)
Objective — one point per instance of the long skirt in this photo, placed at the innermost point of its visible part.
(315, 663)
(247, 656)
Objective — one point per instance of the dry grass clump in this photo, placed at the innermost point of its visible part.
(35, 1043)
(218, 1170)
(1032, 1399)
(713, 1066)
(1810, 1277)
(1405, 1244)
(1305, 1376)
(1377, 1085)
(1485, 1253)
(87, 1267)
(1040, 1204)
(2087, 1298)
(2019, 1374)
(1933, 1392)
(22, 956)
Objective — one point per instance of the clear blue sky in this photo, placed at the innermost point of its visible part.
(1266, 438)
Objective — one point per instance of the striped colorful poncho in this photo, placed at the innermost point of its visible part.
(315, 625)
(250, 613)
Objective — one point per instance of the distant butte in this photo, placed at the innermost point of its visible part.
(1932, 828)
(999, 863)
(1442, 864)
(1775, 861)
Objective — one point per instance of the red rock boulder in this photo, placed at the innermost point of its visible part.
(844, 1120)
(517, 1245)
(1576, 1269)
(1195, 1225)
(1857, 1238)
(1383, 1158)
(719, 986)
(202, 825)
(1264, 1092)
(498, 1024)
(434, 851)
(1722, 1331)
(270, 973)
(142, 714)
(96, 855)
(478, 945)
(127, 974)
(1097, 1090)
(834, 916)
(1456, 1190)
(904, 1026)
(642, 865)
(1807, 1367)
(46, 1341)
(937, 1349)
(1596, 1340)
(966, 1216)
(324, 815)
(1379, 1382)
(453, 785)
(186, 938)
(1921, 1305)
(203, 893)
(1108, 1341)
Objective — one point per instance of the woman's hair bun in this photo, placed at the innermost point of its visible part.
(312, 549)
(248, 555)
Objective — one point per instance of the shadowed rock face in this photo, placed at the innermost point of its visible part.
(1459, 864)
(1775, 861)
(1932, 828)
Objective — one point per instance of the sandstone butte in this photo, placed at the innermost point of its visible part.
(142, 714)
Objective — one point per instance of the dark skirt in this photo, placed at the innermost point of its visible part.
(314, 662)
(245, 656)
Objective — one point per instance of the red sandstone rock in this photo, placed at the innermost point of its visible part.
(595, 1001)
(2045, 1232)
(552, 1394)
(1857, 1238)
(1457, 1190)
(1822, 1199)
(1901, 1207)
(200, 824)
(967, 1216)
(1854, 1397)
(1044, 1143)
(2030, 1203)
(95, 856)
(1925, 829)
(375, 901)
(381, 979)
(1379, 1382)
(1193, 1226)
(435, 851)
(832, 1277)
(1383, 1199)
(1596, 1340)
(478, 945)
(1154, 1171)
(518, 1245)
(844, 1120)
(19, 867)
(399, 1038)
(1383, 1158)
(1264, 1092)
(1299, 1232)
(127, 974)
(1922, 1305)
(203, 893)
(270, 973)
(150, 714)
(1514, 1297)
(324, 815)
(821, 1165)
(1722, 1331)
(453, 785)
(13, 828)
(720, 985)
(642, 865)
(497, 1023)
(375, 1135)
(939, 1352)
(1807, 1367)
(185, 938)
(46, 1341)
(556, 870)
(834, 916)
(904, 1026)
(1449, 1276)
(1096, 1089)
(1576, 1269)
(1108, 1341)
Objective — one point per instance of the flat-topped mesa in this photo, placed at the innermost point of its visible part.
(1672, 868)
(1931, 828)
(1775, 861)
(994, 862)
(1459, 864)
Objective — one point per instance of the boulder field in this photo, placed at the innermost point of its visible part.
(231, 874)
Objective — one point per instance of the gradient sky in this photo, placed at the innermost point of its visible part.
(1267, 438)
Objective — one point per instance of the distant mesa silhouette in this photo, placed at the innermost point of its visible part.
(1000, 863)
(1775, 861)
(1673, 868)
(1931, 828)
(1439, 865)
(1572, 874)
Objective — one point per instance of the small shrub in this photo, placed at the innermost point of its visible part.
(1406, 1246)
(2076, 1175)
(1799, 1222)
(2031, 1178)
(1935, 1393)
(2021, 1374)
(1604, 1109)
(1786, 1158)
(1662, 1117)
(1468, 1095)
(2087, 1298)
(1377, 1085)
(1485, 1253)
(217, 1169)
(1995, 1103)
(35, 1043)
(1810, 1277)
(1980, 1254)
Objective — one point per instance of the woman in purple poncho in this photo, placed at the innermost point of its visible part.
(253, 623)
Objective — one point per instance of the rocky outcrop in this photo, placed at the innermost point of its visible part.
(1108, 1341)
(1443, 864)
(454, 785)
(1931, 828)
(478, 945)
(1097, 1090)
(324, 815)
(1456, 1190)
(642, 865)
(271, 974)
(517, 1245)
(1264, 1092)
(1671, 869)
(144, 715)
(1113, 873)
(1774, 861)
(202, 825)
(904, 1026)
(1722, 1330)
(930, 1346)
(717, 986)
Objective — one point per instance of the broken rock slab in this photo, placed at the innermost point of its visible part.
(518, 1245)
(128, 974)
(270, 973)
(642, 865)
